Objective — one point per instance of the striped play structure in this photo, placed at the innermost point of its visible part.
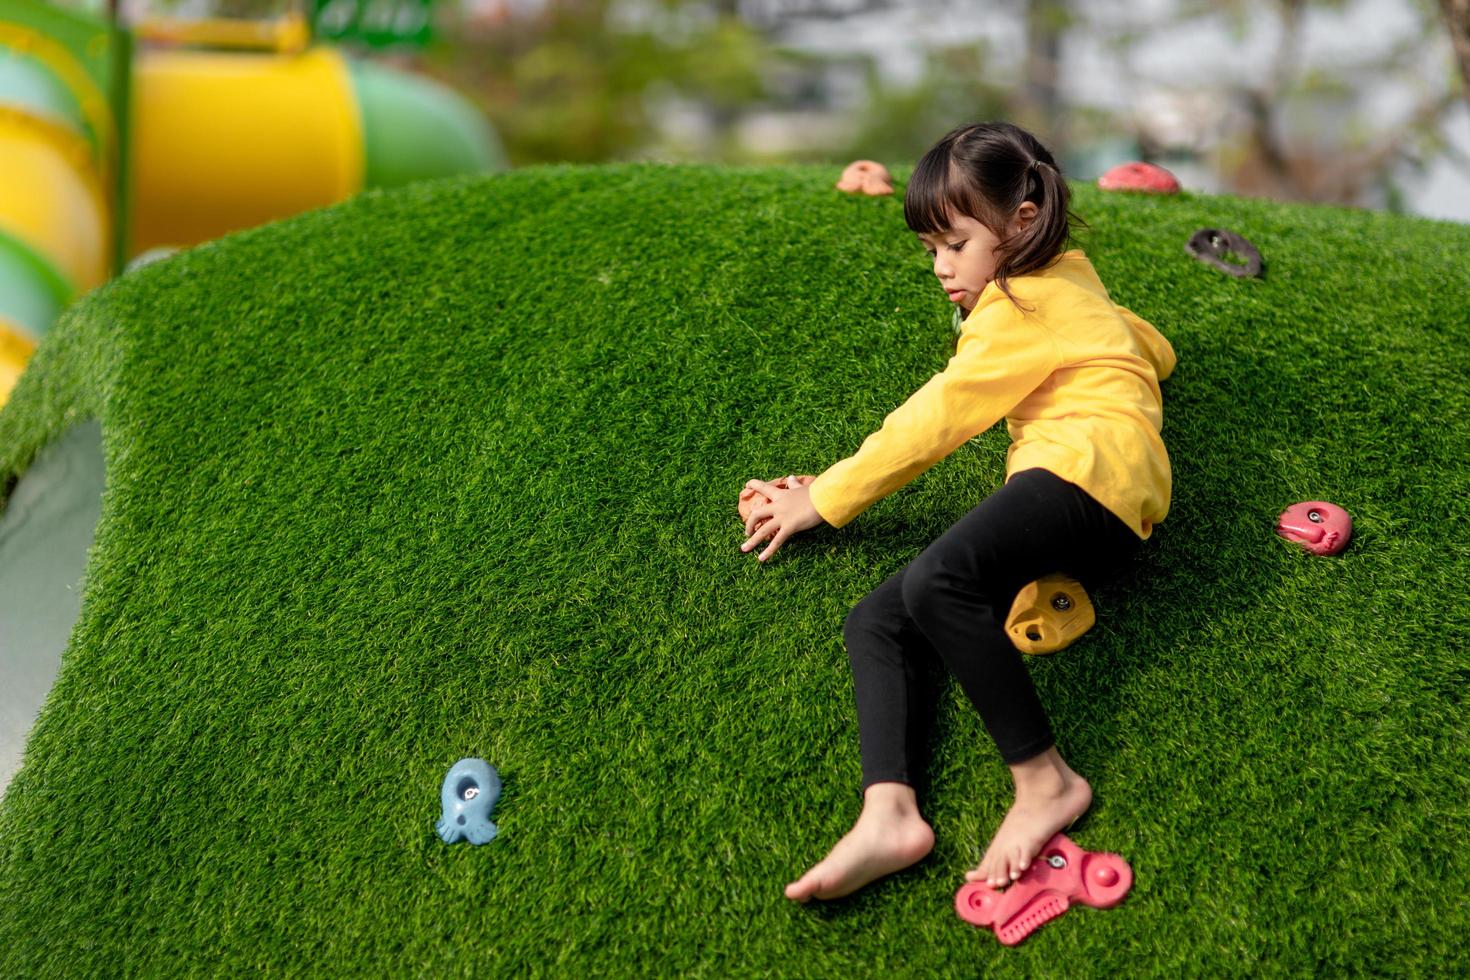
(210, 127)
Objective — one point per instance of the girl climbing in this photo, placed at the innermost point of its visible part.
(1077, 379)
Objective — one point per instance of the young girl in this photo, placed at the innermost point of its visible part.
(1076, 378)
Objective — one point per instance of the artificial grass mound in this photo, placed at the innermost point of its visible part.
(451, 471)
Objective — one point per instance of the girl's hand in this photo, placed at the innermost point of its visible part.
(789, 511)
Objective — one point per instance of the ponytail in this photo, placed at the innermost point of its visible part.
(1048, 234)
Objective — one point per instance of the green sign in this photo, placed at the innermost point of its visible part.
(378, 23)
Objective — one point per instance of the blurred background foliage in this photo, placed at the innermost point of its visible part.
(1357, 102)
(1333, 100)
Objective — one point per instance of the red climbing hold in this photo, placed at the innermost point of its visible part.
(1062, 875)
(1139, 177)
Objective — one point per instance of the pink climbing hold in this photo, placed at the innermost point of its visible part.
(1061, 875)
(868, 176)
(1320, 527)
(752, 498)
(1138, 176)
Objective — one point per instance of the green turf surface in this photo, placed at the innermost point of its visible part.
(451, 471)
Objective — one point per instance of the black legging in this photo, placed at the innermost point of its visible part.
(953, 599)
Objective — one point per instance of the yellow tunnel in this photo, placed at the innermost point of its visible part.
(223, 141)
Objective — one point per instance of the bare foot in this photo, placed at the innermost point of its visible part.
(1049, 796)
(889, 835)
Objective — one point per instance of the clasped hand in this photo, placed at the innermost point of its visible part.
(788, 512)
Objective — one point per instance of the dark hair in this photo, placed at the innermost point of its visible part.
(987, 171)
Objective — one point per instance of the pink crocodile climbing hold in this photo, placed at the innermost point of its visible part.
(1139, 177)
(1061, 875)
(1320, 527)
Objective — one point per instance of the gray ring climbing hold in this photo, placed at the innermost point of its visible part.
(1212, 245)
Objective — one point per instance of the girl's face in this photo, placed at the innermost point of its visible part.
(964, 255)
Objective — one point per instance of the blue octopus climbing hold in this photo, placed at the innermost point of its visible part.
(469, 793)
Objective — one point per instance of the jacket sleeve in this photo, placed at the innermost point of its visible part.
(1000, 359)
(1155, 346)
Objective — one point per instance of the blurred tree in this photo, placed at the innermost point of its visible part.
(1310, 128)
(1457, 18)
(966, 82)
(575, 80)
(587, 80)
(899, 124)
(1037, 103)
(584, 80)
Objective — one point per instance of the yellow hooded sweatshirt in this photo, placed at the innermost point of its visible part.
(1076, 378)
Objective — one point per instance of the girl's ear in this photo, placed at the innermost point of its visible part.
(1025, 214)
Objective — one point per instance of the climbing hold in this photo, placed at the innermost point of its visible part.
(469, 793)
(1216, 247)
(751, 499)
(1138, 176)
(1316, 525)
(867, 176)
(1049, 614)
(1063, 875)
